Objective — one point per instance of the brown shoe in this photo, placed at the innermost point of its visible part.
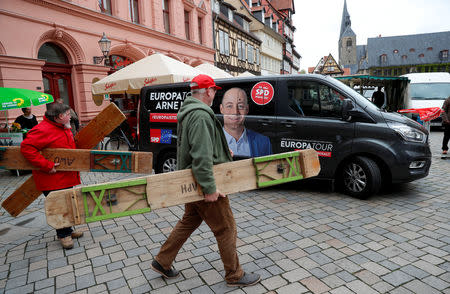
(76, 234)
(66, 242)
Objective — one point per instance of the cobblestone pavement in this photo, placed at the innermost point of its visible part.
(301, 238)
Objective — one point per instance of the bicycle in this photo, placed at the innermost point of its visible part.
(120, 141)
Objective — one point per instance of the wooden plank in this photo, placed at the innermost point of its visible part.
(21, 198)
(82, 160)
(103, 124)
(99, 127)
(179, 187)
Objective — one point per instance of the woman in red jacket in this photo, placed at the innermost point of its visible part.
(53, 132)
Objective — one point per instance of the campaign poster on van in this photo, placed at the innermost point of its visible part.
(323, 148)
(165, 104)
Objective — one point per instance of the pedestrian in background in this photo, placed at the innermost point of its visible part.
(446, 124)
(27, 120)
(378, 97)
(52, 132)
(201, 144)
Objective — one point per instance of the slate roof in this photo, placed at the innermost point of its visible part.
(420, 43)
(361, 53)
(353, 68)
(348, 32)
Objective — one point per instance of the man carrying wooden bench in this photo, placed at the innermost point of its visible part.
(53, 132)
(202, 144)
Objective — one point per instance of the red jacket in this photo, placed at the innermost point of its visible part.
(49, 134)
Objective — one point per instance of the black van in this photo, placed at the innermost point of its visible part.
(359, 145)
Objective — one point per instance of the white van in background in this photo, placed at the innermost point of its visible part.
(428, 90)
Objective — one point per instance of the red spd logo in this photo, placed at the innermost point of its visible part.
(262, 93)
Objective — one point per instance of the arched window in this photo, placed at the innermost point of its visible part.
(52, 53)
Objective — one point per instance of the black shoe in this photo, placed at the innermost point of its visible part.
(246, 280)
(168, 274)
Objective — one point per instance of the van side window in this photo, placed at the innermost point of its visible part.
(304, 98)
(314, 99)
(330, 102)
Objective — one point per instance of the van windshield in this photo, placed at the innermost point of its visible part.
(429, 91)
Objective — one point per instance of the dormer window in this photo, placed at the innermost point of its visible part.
(245, 25)
(395, 51)
(230, 15)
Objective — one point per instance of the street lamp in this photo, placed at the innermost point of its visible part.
(104, 45)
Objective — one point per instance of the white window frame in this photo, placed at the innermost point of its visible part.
(250, 56)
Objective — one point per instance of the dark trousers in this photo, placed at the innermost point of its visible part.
(64, 232)
(219, 217)
(446, 137)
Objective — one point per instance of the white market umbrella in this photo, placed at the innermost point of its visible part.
(152, 70)
(246, 74)
(213, 71)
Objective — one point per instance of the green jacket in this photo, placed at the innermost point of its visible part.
(201, 142)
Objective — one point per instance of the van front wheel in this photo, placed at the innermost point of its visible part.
(168, 163)
(360, 177)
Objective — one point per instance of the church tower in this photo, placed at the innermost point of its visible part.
(347, 41)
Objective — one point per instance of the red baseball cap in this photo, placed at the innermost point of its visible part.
(203, 82)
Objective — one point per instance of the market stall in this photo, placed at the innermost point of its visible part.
(395, 88)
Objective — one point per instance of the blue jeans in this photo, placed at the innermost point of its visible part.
(64, 232)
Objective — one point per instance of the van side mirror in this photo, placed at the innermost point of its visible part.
(347, 106)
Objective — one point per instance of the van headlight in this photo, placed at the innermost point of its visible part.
(408, 133)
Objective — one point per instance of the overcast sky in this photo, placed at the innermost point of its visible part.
(318, 23)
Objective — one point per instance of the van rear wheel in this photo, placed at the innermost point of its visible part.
(168, 163)
(360, 177)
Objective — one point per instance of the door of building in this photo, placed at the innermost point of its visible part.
(57, 82)
(56, 74)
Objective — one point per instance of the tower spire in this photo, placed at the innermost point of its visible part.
(345, 22)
